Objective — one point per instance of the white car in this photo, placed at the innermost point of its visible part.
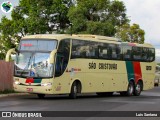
(157, 76)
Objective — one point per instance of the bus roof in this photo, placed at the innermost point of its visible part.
(46, 36)
(84, 37)
(60, 36)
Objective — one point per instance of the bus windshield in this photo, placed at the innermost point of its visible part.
(33, 59)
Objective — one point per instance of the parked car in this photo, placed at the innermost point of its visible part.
(157, 76)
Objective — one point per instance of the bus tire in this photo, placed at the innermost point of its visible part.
(73, 93)
(130, 90)
(138, 88)
(41, 96)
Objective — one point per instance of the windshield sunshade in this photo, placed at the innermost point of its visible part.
(38, 45)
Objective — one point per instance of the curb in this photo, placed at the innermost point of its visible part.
(12, 94)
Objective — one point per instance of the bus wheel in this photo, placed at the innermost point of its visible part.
(129, 91)
(73, 93)
(41, 96)
(138, 89)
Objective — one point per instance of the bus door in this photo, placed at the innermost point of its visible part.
(62, 57)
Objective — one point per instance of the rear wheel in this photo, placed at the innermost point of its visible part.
(41, 96)
(129, 91)
(138, 89)
(73, 93)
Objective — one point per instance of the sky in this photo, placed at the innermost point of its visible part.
(146, 13)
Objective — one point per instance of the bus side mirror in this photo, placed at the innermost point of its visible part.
(8, 55)
(52, 56)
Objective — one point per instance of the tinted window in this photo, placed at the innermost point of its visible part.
(151, 55)
(103, 51)
(144, 54)
(84, 49)
(114, 51)
(127, 52)
(109, 51)
(137, 53)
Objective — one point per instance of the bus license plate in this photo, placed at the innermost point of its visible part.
(30, 89)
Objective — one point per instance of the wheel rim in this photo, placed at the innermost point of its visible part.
(75, 89)
(138, 88)
(130, 89)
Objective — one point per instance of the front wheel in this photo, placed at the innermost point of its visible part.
(73, 93)
(138, 89)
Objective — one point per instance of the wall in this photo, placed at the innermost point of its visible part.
(6, 75)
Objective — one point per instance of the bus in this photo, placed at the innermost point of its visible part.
(74, 64)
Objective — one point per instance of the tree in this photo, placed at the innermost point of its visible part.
(33, 17)
(45, 16)
(97, 16)
(6, 36)
(100, 17)
(130, 33)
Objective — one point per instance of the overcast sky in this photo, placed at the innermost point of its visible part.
(146, 13)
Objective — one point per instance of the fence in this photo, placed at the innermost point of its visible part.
(6, 75)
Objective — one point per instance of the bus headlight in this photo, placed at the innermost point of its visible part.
(17, 82)
(46, 84)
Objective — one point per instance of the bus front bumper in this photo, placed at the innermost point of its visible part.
(33, 89)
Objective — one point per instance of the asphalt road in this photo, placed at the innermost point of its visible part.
(147, 101)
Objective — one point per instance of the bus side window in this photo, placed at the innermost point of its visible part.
(113, 52)
(144, 54)
(137, 53)
(151, 54)
(103, 51)
(127, 53)
(62, 57)
(118, 52)
(84, 49)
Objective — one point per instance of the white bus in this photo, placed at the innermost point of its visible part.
(65, 64)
